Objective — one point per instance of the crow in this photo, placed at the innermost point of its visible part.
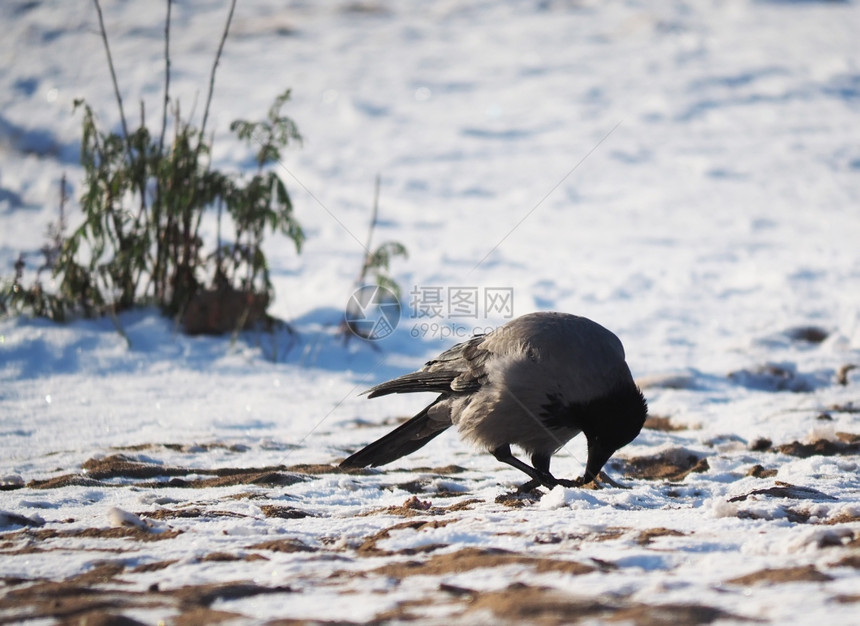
(535, 382)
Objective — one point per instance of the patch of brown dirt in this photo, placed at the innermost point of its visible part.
(120, 466)
(607, 534)
(226, 557)
(536, 605)
(247, 476)
(446, 470)
(317, 469)
(190, 448)
(12, 581)
(84, 598)
(194, 596)
(762, 444)
(66, 480)
(848, 437)
(758, 471)
(474, 558)
(848, 407)
(852, 560)
(284, 512)
(822, 447)
(282, 545)
(794, 516)
(646, 537)
(202, 616)
(9, 550)
(670, 615)
(101, 573)
(842, 518)
(464, 505)
(548, 607)
(8, 518)
(106, 618)
(847, 599)
(674, 464)
(404, 510)
(70, 600)
(664, 424)
(123, 532)
(786, 490)
(549, 538)
(414, 506)
(405, 611)
(155, 566)
(422, 486)
(117, 466)
(240, 477)
(413, 486)
(247, 495)
(515, 500)
(837, 538)
(369, 547)
(803, 573)
(810, 334)
(189, 513)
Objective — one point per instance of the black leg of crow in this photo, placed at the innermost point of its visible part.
(538, 476)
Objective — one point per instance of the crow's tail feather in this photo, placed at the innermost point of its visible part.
(403, 440)
(439, 381)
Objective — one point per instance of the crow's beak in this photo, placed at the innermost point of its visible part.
(598, 455)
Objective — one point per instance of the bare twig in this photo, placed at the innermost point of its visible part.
(214, 68)
(166, 78)
(155, 279)
(56, 234)
(63, 197)
(344, 329)
(373, 219)
(113, 75)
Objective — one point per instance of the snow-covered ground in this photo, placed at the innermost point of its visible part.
(687, 174)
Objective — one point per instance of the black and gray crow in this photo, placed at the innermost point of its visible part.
(536, 382)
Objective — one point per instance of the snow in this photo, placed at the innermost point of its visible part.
(684, 173)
